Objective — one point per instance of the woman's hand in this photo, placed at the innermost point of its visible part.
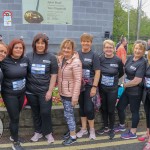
(74, 103)
(48, 95)
(93, 91)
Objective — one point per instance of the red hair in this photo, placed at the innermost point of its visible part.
(13, 43)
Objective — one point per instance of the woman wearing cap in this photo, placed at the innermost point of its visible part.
(41, 78)
(14, 68)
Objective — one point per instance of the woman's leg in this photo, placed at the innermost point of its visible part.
(81, 111)
(12, 104)
(35, 106)
(135, 101)
(45, 113)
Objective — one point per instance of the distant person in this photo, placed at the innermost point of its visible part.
(121, 52)
(148, 44)
(119, 43)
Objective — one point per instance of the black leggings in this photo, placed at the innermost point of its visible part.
(41, 110)
(134, 101)
(13, 105)
(86, 105)
(147, 109)
(109, 98)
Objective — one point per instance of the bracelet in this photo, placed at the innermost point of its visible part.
(94, 86)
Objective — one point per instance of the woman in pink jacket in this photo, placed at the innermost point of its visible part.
(69, 83)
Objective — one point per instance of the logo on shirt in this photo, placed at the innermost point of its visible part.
(87, 59)
(47, 61)
(23, 64)
(114, 65)
(133, 68)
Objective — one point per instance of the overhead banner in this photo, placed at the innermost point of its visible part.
(47, 11)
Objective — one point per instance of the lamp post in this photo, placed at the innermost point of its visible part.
(139, 18)
(126, 4)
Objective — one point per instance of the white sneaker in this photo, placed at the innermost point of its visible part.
(50, 138)
(36, 137)
(81, 133)
(92, 134)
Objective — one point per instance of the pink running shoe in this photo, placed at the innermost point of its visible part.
(147, 147)
(92, 134)
(81, 133)
(36, 137)
(50, 138)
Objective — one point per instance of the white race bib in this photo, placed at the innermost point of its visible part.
(38, 69)
(108, 81)
(126, 80)
(147, 82)
(19, 84)
(86, 73)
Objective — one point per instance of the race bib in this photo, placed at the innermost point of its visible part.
(86, 73)
(38, 69)
(126, 80)
(108, 81)
(147, 82)
(19, 84)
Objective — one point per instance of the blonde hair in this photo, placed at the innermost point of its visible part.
(148, 57)
(110, 42)
(142, 44)
(86, 37)
(6, 46)
(64, 42)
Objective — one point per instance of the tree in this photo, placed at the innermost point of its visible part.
(120, 24)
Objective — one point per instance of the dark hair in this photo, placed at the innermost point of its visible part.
(37, 38)
(13, 43)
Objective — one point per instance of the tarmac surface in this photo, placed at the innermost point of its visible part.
(100, 143)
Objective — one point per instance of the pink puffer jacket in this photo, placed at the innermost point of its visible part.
(69, 77)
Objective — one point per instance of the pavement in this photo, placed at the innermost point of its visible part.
(100, 143)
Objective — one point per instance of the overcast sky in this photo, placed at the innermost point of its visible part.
(145, 5)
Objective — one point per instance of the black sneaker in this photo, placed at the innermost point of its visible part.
(111, 134)
(102, 130)
(69, 141)
(17, 146)
(21, 140)
(66, 135)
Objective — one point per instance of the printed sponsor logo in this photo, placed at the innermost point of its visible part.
(47, 61)
(87, 59)
(114, 65)
(23, 64)
(133, 68)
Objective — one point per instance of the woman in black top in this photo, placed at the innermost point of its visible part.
(135, 68)
(41, 78)
(111, 68)
(3, 53)
(14, 68)
(146, 102)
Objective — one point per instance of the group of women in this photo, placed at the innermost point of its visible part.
(80, 75)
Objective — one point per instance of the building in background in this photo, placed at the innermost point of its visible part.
(58, 19)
